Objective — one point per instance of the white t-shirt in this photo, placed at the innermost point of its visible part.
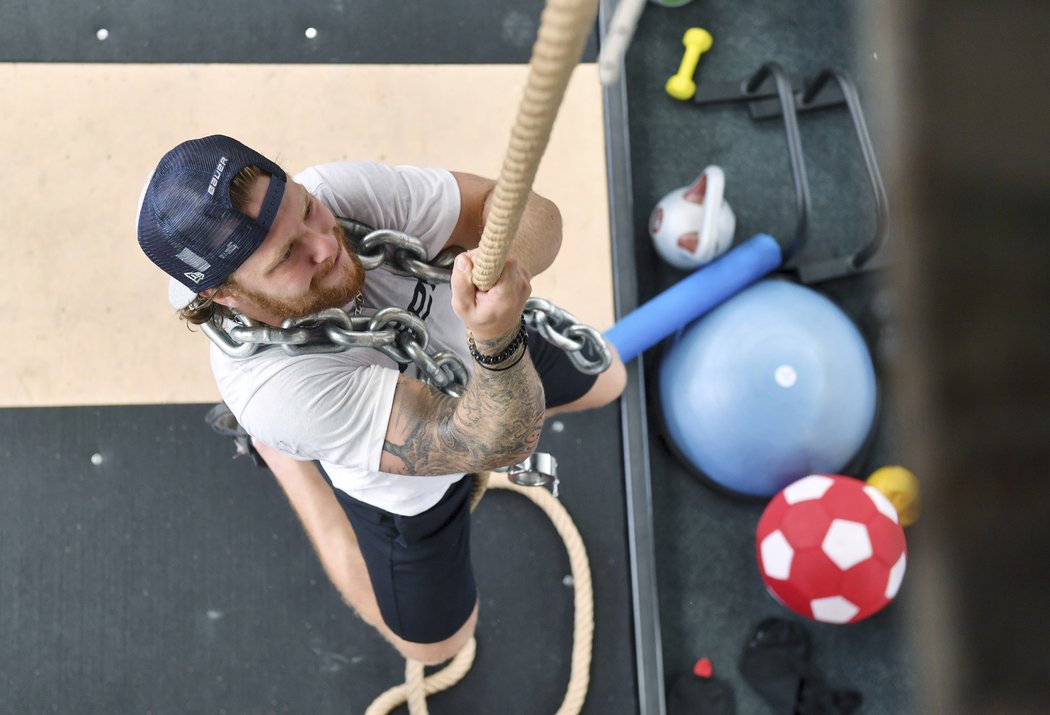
(335, 407)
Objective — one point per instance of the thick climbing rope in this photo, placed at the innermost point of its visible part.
(417, 687)
(564, 27)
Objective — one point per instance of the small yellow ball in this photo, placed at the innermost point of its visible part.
(901, 487)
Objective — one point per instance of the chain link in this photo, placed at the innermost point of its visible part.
(560, 328)
(397, 333)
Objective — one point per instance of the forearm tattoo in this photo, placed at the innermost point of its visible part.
(497, 419)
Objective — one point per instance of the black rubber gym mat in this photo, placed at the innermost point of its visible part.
(346, 31)
(142, 569)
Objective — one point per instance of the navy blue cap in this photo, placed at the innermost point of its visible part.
(187, 224)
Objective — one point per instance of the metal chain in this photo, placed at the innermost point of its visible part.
(560, 328)
(397, 333)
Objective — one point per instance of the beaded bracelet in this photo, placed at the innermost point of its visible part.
(487, 360)
(501, 368)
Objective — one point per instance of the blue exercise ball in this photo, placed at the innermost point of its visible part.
(773, 385)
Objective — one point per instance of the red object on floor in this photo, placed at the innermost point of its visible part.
(703, 668)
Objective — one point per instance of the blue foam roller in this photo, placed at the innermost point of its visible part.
(693, 296)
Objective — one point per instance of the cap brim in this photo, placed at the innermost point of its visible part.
(179, 296)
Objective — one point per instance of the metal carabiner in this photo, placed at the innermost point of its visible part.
(539, 470)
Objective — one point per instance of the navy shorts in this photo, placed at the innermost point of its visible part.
(420, 565)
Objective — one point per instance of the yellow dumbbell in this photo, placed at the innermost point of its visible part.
(697, 41)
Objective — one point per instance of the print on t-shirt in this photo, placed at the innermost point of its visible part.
(422, 300)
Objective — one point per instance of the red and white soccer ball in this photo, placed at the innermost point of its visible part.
(831, 548)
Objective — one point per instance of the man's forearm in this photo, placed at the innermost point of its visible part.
(496, 423)
(504, 406)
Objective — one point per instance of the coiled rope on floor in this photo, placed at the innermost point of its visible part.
(416, 687)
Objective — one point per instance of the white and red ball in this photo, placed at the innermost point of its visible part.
(693, 225)
(831, 548)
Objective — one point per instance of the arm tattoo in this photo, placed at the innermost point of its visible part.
(496, 423)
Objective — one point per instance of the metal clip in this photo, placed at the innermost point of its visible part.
(539, 470)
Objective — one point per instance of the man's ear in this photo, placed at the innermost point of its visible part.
(222, 296)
